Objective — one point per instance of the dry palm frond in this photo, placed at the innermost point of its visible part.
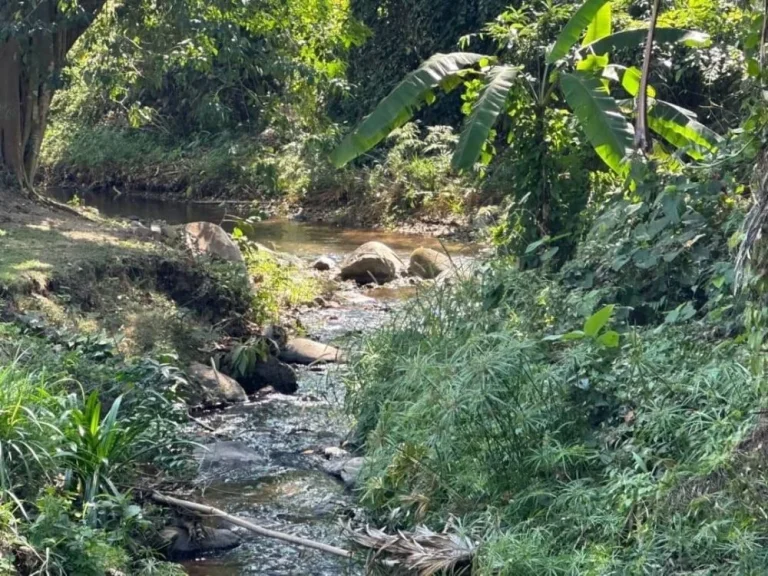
(422, 551)
(755, 220)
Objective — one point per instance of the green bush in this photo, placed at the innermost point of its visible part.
(567, 455)
(66, 469)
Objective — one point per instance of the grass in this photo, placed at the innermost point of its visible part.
(563, 457)
(35, 253)
(98, 278)
(278, 284)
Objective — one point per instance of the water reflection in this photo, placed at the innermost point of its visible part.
(303, 239)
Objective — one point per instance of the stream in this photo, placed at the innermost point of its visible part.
(265, 461)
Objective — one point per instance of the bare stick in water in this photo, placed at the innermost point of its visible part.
(210, 510)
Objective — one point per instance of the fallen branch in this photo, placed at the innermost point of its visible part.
(210, 510)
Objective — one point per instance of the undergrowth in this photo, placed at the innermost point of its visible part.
(278, 283)
(562, 451)
(80, 430)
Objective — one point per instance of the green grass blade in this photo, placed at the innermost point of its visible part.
(600, 118)
(485, 112)
(398, 107)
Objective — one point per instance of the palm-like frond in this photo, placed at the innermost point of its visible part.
(422, 551)
(485, 112)
(600, 117)
(755, 222)
(571, 32)
(635, 37)
(398, 107)
(680, 128)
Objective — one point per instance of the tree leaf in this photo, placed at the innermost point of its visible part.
(399, 106)
(630, 81)
(600, 118)
(593, 62)
(636, 37)
(485, 112)
(600, 25)
(570, 33)
(575, 335)
(610, 339)
(595, 323)
(680, 128)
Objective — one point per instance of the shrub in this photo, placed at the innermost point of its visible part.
(568, 456)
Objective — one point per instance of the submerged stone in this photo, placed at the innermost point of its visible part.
(182, 542)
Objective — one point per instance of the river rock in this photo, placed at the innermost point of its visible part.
(306, 351)
(350, 472)
(210, 387)
(371, 262)
(335, 453)
(347, 470)
(205, 238)
(427, 263)
(270, 372)
(324, 263)
(179, 543)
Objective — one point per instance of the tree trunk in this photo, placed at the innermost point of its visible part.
(33, 46)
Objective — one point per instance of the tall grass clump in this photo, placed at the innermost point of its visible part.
(562, 451)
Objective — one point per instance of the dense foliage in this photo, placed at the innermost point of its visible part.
(599, 414)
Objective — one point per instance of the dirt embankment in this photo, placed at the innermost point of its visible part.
(101, 276)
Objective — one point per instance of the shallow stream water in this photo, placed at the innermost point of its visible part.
(265, 461)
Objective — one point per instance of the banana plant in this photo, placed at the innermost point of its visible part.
(583, 75)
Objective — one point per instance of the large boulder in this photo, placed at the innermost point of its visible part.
(306, 351)
(210, 387)
(427, 263)
(205, 238)
(371, 262)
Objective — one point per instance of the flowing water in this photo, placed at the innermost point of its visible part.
(265, 461)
